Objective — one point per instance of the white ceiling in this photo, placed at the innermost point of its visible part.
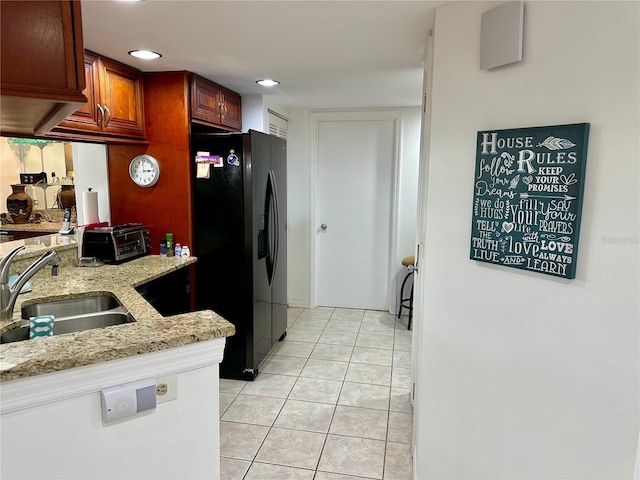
(327, 54)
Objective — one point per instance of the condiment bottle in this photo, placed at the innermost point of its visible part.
(170, 251)
(163, 248)
(178, 252)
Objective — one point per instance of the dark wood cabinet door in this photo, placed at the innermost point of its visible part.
(205, 100)
(121, 99)
(231, 113)
(87, 117)
(41, 75)
(215, 105)
(115, 108)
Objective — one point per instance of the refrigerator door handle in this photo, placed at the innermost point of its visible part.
(276, 226)
(272, 226)
(269, 227)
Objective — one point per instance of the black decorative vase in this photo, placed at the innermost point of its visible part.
(19, 204)
(67, 197)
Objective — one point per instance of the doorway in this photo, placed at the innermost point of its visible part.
(353, 222)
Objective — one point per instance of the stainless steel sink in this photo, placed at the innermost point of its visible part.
(71, 306)
(72, 315)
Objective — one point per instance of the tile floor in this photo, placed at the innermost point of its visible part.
(331, 402)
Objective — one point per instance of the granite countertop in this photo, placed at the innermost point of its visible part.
(150, 332)
(51, 222)
(36, 246)
(45, 227)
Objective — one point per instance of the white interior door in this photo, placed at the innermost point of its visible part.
(355, 161)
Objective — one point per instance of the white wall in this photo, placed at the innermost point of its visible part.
(269, 103)
(298, 209)
(91, 171)
(255, 112)
(407, 195)
(11, 166)
(524, 375)
(298, 189)
(52, 425)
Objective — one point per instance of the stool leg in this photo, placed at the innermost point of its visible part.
(402, 291)
(410, 307)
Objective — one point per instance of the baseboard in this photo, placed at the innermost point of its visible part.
(299, 305)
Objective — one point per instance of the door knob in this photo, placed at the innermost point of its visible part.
(323, 227)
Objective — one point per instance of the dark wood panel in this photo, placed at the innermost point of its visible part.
(165, 207)
(37, 61)
(41, 68)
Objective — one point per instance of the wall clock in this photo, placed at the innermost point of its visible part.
(144, 170)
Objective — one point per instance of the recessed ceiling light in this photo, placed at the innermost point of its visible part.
(267, 82)
(145, 54)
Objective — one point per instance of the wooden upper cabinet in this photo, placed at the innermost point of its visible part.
(215, 105)
(115, 101)
(41, 74)
(122, 99)
(205, 104)
(231, 115)
(86, 117)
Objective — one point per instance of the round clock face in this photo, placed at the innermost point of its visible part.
(144, 170)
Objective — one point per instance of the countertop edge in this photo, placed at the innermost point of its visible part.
(83, 351)
(151, 332)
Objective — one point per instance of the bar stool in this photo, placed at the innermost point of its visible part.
(407, 303)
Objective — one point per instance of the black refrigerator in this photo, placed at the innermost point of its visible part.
(239, 208)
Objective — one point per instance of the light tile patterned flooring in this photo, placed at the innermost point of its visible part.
(331, 402)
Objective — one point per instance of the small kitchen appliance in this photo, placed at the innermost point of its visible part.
(118, 243)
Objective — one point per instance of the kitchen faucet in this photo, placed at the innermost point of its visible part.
(9, 294)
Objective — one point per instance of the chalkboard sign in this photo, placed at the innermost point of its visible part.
(527, 198)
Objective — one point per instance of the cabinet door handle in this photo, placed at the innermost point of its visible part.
(100, 114)
(106, 122)
(221, 105)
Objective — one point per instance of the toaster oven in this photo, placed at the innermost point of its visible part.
(117, 243)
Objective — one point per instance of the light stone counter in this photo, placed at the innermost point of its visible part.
(51, 222)
(149, 333)
(43, 227)
(36, 246)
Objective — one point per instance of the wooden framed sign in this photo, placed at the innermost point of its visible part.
(527, 198)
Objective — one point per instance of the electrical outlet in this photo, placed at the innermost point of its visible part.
(166, 388)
